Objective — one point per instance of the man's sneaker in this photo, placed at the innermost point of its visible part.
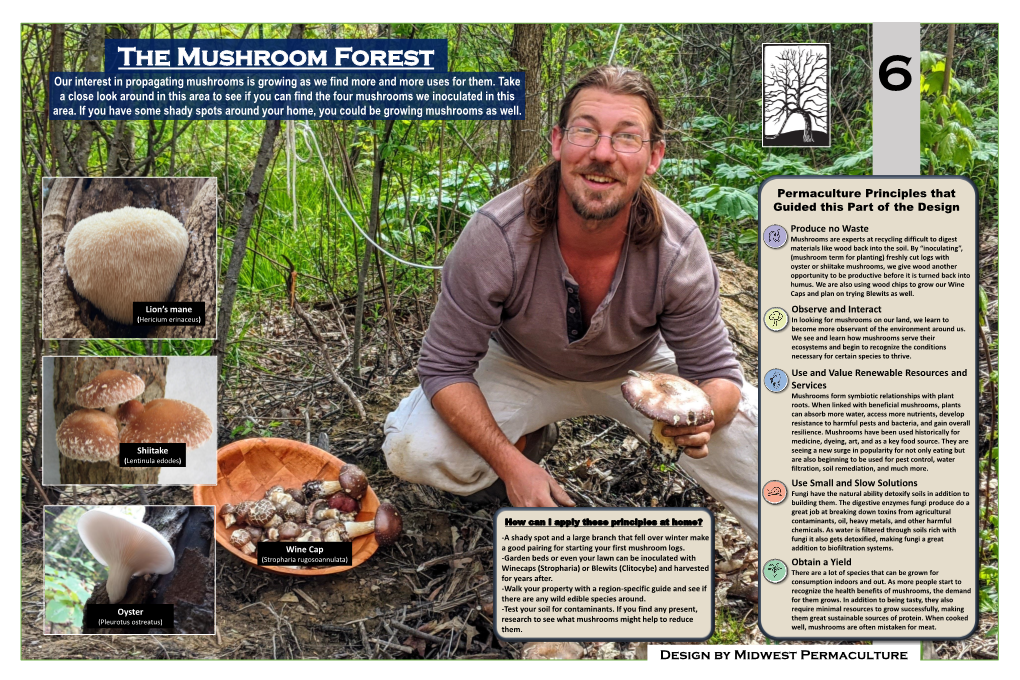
(537, 446)
(539, 443)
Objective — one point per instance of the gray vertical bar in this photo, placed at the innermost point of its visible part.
(896, 120)
(896, 116)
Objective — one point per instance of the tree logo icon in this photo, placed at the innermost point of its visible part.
(795, 94)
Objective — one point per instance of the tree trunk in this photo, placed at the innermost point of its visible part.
(237, 252)
(947, 79)
(69, 374)
(29, 314)
(808, 136)
(251, 201)
(197, 280)
(60, 150)
(189, 587)
(95, 47)
(68, 315)
(732, 99)
(373, 230)
(526, 135)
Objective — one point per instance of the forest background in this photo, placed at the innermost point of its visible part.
(305, 273)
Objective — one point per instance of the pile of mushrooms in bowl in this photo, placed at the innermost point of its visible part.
(250, 471)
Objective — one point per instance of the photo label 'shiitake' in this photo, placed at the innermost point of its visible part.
(124, 256)
(669, 401)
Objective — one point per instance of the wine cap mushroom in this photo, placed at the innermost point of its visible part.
(126, 547)
(353, 481)
(109, 388)
(667, 400)
(168, 421)
(388, 524)
(124, 256)
(87, 434)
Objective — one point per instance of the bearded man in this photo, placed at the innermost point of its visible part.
(554, 290)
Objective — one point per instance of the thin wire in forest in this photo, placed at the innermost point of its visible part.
(616, 40)
(306, 132)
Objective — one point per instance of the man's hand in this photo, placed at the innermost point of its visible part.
(724, 397)
(528, 485)
(694, 438)
(463, 407)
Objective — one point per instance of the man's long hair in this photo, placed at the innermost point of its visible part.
(542, 190)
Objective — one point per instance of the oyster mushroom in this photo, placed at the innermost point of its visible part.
(669, 401)
(126, 547)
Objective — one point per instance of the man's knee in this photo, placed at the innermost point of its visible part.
(421, 449)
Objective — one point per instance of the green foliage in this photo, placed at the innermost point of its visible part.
(728, 629)
(246, 428)
(69, 572)
(160, 346)
(988, 596)
(959, 129)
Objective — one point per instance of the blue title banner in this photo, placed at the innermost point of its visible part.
(283, 79)
(126, 56)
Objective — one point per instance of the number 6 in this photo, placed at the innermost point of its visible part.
(885, 71)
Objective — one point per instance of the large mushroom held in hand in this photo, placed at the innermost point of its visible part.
(669, 401)
(126, 547)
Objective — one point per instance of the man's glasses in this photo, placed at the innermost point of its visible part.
(622, 142)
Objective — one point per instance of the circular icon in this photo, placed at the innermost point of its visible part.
(774, 571)
(776, 380)
(774, 236)
(776, 319)
(774, 492)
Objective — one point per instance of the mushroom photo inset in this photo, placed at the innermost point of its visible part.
(93, 405)
(111, 242)
(129, 555)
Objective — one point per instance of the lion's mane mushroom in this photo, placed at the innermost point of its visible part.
(126, 547)
(667, 400)
(168, 421)
(125, 256)
(90, 435)
(110, 389)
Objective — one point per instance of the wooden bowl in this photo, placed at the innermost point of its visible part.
(245, 469)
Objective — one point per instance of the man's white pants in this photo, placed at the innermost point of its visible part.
(420, 448)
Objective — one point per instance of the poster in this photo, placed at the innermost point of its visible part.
(318, 332)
